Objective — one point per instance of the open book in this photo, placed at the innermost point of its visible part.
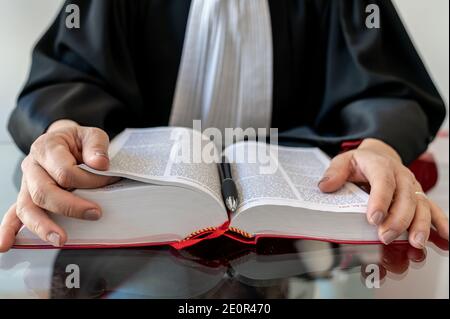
(164, 200)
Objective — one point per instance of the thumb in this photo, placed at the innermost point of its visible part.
(337, 173)
(95, 143)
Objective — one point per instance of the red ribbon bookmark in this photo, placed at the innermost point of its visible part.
(222, 229)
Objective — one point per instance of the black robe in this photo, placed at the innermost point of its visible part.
(335, 80)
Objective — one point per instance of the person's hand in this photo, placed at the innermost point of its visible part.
(396, 202)
(50, 171)
(397, 258)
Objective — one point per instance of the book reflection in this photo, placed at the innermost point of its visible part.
(221, 268)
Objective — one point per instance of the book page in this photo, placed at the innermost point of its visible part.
(152, 155)
(137, 213)
(293, 183)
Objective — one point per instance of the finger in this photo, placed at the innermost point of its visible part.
(439, 220)
(61, 165)
(47, 195)
(420, 227)
(402, 210)
(395, 258)
(417, 255)
(9, 227)
(37, 220)
(337, 173)
(95, 143)
(380, 175)
(436, 239)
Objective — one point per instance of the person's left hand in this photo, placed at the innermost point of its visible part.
(396, 201)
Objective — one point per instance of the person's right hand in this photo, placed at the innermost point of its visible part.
(49, 172)
(398, 257)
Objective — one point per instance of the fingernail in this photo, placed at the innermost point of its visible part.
(91, 214)
(54, 239)
(377, 217)
(419, 238)
(388, 236)
(324, 179)
(103, 154)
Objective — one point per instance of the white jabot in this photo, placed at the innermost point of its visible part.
(225, 76)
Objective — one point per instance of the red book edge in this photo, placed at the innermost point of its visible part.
(220, 231)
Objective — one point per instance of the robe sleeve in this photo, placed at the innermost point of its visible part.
(84, 74)
(375, 84)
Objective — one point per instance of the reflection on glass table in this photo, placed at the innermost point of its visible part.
(221, 268)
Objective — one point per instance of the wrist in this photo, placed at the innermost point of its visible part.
(380, 147)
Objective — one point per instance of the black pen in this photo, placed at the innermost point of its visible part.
(229, 189)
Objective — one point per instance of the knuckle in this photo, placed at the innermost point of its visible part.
(409, 176)
(38, 196)
(411, 197)
(37, 228)
(423, 222)
(68, 210)
(388, 181)
(423, 202)
(99, 133)
(38, 147)
(20, 212)
(63, 177)
(401, 224)
(62, 136)
(339, 157)
(385, 162)
(25, 164)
